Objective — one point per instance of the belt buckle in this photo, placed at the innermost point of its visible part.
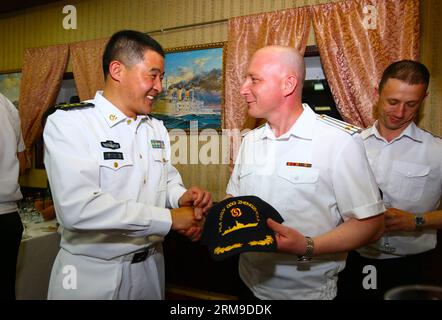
(140, 256)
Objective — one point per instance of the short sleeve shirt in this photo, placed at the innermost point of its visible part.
(317, 176)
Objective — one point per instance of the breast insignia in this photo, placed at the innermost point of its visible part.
(347, 127)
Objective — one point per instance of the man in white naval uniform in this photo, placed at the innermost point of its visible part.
(407, 164)
(11, 227)
(314, 171)
(109, 168)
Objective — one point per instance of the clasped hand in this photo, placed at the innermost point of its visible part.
(194, 205)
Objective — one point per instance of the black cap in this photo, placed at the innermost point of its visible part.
(237, 225)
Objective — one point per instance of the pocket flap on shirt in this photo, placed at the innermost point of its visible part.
(115, 162)
(244, 172)
(159, 155)
(299, 175)
(410, 169)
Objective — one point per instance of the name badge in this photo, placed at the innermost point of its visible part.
(113, 156)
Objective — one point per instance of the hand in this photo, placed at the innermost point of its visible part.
(288, 239)
(198, 198)
(194, 233)
(399, 220)
(184, 219)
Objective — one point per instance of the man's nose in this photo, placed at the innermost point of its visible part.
(244, 88)
(400, 111)
(158, 85)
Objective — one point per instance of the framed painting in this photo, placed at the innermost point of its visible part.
(10, 86)
(192, 88)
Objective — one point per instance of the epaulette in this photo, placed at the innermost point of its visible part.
(347, 127)
(70, 106)
(64, 107)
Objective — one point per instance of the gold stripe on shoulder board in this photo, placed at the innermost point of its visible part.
(347, 127)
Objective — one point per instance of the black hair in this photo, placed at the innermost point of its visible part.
(409, 71)
(128, 46)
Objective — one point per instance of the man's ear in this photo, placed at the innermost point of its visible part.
(290, 84)
(116, 69)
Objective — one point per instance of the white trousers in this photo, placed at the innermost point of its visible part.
(77, 277)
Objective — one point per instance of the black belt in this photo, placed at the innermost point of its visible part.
(143, 255)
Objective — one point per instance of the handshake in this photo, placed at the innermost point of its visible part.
(188, 219)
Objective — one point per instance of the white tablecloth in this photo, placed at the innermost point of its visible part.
(36, 256)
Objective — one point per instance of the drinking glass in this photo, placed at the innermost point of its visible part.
(386, 246)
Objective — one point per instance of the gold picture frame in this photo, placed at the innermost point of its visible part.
(193, 88)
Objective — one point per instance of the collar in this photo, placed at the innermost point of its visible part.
(411, 131)
(111, 113)
(302, 128)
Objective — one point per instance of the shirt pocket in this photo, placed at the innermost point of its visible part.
(246, 182)
(408, 180)
(160, 165)
(115, 173)
(297, 186)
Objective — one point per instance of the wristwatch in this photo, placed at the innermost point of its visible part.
(308, 254)
(419, 220)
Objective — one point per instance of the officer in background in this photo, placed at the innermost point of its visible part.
(407, 164)
(313, 170)
(111, 177)
(11, 228)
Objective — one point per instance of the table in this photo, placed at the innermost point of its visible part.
(37, 253)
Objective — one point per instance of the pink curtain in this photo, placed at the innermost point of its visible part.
(246, 35)
(42, 74)
(357, 40)
(87, 66)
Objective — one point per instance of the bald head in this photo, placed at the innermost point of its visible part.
(287, 59)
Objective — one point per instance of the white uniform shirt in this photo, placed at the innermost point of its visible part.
(111, 179)
(408, 170)
(339, 185)
(11, 142)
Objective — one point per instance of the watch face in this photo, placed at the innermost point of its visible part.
(420, 221)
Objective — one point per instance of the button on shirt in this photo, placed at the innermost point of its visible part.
(11, 142)
(111, 178)
(339, 185)
(409, 172)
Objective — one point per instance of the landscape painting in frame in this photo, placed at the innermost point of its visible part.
(10, 86)
(192, 88)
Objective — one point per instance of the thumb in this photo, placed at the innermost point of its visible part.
(275, 226)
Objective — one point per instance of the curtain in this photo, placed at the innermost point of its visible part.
(357, 40)
(246, 35)
(87, 66)
(42, 74)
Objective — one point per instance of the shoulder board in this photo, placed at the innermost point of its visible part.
(259, 127)
(65, 107)
(70, 106)
(344, 126)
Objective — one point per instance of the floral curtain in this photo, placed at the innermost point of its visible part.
(42, 74)
(87, 66)
(246, 35)
(357, 40)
